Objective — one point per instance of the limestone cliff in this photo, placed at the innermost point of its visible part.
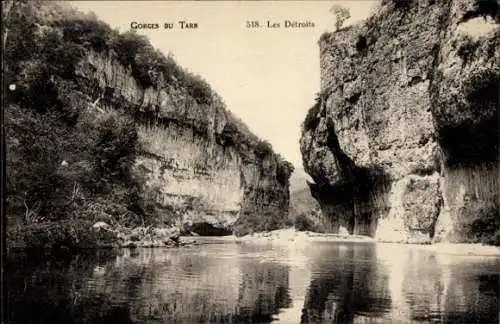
(102, 126)
(402, 142)
(184, 164)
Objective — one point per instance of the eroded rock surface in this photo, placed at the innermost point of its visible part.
(186, 165)
(403, 141)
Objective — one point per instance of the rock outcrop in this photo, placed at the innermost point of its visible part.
(402, 142)
(185, 165)
(103, 127)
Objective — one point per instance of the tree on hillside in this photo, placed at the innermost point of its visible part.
(341, 15)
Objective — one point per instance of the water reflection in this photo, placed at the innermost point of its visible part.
(346, 282)
(233, 283)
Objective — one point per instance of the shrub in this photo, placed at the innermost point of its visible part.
(324, 37)
(284, 171)
(402, 4)
(312, 117)
(479, 222)
(91, 33)
(303, 223)
(65, 234)
(114, 153)
(34, 152)
(467, 49)
(252, 223)
(230, 134)
(197, 88)
(263, 149)
(20, 41)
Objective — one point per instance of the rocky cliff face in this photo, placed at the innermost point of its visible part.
(103, 127)
(403, 141)
(185, 165)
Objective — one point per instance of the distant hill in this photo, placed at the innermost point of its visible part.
(301, 200)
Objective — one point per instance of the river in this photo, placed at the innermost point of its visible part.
(231, 282)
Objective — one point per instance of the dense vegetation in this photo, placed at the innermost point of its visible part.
(312, 118)
(63, 160)
(66, 159)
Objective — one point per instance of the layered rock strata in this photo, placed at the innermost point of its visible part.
(403, 141)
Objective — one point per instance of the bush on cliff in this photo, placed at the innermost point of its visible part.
(312, 118)
(254, 222)
(263, 149)
(478, 221)
(61, 36)
(341, 15)
(284, 170)
(229, 135)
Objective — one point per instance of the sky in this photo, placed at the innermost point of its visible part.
(266, 76)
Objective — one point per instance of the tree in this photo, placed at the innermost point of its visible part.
(263, 149)
(341, 15)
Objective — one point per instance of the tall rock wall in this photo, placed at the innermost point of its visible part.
(184, 164)
(403, 141)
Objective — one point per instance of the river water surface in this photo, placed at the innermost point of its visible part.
(256, 283)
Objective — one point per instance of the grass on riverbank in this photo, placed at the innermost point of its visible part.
(66, 234)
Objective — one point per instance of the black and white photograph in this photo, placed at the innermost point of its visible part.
(295, 162)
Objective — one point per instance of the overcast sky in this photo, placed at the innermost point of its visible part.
(267, 77)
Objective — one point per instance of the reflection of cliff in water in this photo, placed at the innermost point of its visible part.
(230, 283)
(387, 284)
(152, 286)
(196, 287)
(346, 282)
(49, 290)
(264, 290)
(439, 288)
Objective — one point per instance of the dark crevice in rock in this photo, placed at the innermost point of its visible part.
(425, 171)
(362, 45)
(468, 144)
(354, 98)
(205, 229)
(439, 206)
(351, 204)
(415, 80)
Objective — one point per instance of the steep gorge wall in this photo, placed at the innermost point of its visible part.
(403, 141)
(184, 164)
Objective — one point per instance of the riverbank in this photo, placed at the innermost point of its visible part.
(74, 235)
(80, 234)
(291, 236)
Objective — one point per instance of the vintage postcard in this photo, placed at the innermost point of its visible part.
(251, 161)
